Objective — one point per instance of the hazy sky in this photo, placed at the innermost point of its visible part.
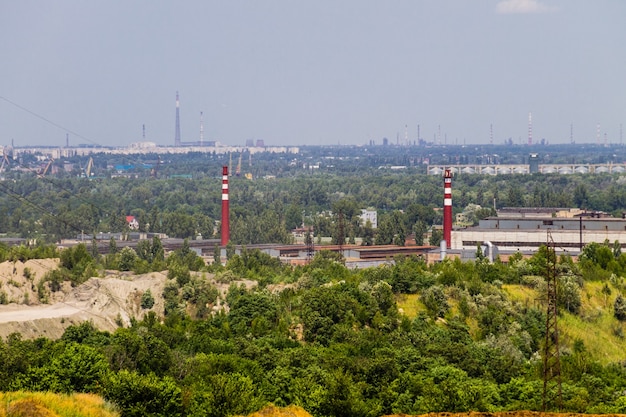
(311, 72)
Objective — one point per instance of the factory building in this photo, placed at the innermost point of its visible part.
(527, 229)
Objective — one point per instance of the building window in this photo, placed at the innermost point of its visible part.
(547, 222)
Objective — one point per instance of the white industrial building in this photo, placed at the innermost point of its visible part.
(527, 231)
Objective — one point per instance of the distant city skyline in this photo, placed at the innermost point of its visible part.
(312, 73)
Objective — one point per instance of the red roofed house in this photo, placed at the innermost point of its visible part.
(132, 222)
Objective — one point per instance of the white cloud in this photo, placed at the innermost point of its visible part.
(522, 6)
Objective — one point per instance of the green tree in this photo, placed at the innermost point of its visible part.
(156, 249)
(436, 237)
(293, 217)
(112, 246)
(230, 250)
(147, 300)
(225, 394)
(581, 196)
(367, 234)
(128, 258)
(420, 229)
(143, 250)
(75, 368)
(435, 301)
(254, 312)
(217, 255)
(617, 249)
(144, 395)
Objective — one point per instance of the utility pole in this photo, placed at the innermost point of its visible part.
(552, 394)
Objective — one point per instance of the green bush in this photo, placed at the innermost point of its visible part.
(144, 395)
(147, 300)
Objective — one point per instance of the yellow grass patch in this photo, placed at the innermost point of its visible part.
(595, 324)
(520, 293)
(410, 305)
(47, 404)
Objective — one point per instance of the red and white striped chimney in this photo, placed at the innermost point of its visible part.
(225, 208)
(447, 207)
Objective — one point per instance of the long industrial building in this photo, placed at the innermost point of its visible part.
(523, 231)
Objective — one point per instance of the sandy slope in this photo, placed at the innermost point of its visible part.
(108, 301)
(105, 301)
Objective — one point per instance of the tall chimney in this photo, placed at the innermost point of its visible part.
(447, 207)
(225, 208)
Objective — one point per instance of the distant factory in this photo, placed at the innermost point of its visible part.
(533, 167)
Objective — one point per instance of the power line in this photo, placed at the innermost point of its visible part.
(37, 207)
(47, 120)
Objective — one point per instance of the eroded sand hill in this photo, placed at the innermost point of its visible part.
(108, 301)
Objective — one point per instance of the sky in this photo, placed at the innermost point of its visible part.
(321, 72)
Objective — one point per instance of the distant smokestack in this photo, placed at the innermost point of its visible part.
(225, 208)
(530, 129)
(447, 207)
(177, 141)
(201, 130)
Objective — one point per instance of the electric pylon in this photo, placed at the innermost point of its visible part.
(552, 394)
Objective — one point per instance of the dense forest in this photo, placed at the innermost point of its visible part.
(406, 338)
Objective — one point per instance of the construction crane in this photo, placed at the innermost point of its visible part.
(88, 172)
(46, 169)
(5, 162)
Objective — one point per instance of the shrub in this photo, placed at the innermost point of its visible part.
(619, 308)
(28, 274)
(128, 258)
(435, 301)
(144, 395)
(147, 300)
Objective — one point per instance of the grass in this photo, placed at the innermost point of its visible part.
(410, 305)
(595, 325)
(47, 404)
(603, 336)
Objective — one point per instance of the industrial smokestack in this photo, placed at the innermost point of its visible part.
(225, 208)
(447, 207)
(530, 129)
(177, 141)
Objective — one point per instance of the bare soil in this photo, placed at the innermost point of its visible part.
(108, 301)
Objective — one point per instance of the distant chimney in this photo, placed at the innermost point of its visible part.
(225, 208)
(447, 207)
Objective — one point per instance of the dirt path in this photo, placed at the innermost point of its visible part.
(20, 313)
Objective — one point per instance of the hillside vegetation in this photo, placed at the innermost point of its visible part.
(408, 338)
